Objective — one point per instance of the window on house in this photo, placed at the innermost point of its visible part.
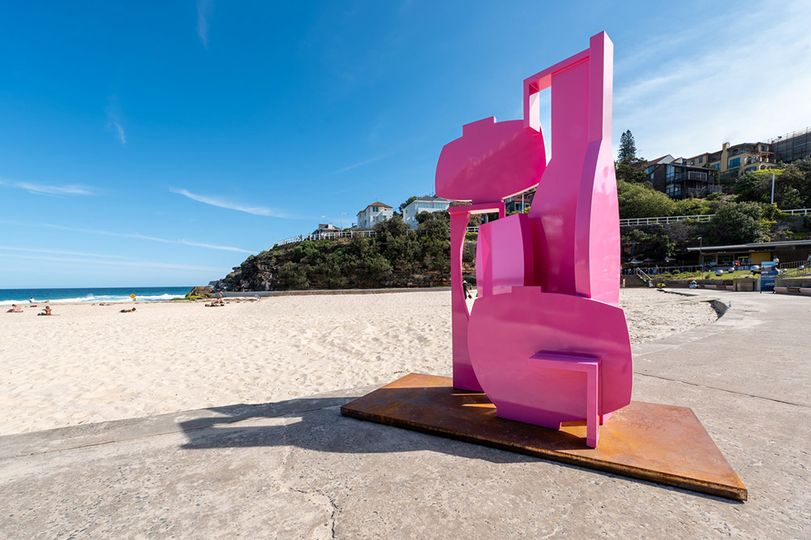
(734, 163)
(375, 209)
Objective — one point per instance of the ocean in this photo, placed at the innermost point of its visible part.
(99, 294)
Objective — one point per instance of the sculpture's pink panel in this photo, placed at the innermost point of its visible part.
(597, 232)
(490, 161)
(503, 255)
(576, 202)
(507, 330)
(463, 376)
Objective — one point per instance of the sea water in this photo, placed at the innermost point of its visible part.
(99, 294)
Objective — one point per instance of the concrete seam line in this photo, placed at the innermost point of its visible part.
(803, 405)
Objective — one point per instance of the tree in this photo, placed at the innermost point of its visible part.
(627, 151)
(754, 186)
(653, 243)
(631, 171)
(737, 223)
(790, 197)
(691, 207)
(639, 200)
(794, 186)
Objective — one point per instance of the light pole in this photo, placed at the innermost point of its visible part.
(700, 252)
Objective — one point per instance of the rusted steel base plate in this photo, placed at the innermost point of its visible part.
(658, 443)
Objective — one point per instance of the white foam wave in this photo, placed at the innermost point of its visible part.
(90, 298)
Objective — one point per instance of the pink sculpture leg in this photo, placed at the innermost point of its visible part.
(590, 367)
(464, 377)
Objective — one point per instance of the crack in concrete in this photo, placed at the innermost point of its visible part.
(284, 468)
(334, 508)
(803, 405)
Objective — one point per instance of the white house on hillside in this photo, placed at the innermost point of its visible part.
(375, 213)
(423, 204)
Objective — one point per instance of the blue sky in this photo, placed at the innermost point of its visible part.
(159, 143)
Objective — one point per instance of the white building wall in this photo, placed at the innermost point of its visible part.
(422, 205)
(368, 218)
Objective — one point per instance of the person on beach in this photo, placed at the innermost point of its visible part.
(466, 289)
(14, 309)
(216, 302)
(46, 312)
(130, 310)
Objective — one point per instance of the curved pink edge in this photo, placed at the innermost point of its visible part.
(507, 332)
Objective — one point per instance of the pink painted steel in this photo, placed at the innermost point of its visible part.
(490, 161)
(590, 368)
(577, 197)
(504, 255)
(547, 311)
(464, 377)
(507, 331)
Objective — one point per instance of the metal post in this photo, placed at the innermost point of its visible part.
(700, 252)
(772, 188)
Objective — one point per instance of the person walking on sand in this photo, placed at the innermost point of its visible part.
(466, 289)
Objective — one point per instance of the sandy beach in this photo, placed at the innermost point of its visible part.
(90, 363)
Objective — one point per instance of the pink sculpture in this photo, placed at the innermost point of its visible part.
(546, 339)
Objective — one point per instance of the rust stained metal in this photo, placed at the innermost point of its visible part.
(658, 443)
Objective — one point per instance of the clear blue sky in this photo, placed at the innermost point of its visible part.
(159, 143)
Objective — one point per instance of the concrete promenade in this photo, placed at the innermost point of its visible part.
(297, 469)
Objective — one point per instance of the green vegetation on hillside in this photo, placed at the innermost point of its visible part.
(400, 257)
(395, 257)
(792, 185)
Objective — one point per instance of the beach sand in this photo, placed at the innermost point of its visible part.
(90, 363)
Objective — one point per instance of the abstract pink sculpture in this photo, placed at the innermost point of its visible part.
(546, 339)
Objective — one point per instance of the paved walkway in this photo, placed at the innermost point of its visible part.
(297, 469)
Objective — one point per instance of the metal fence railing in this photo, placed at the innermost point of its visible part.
(327, 236)
(644, 276)
(664, 220)
(701, 218)
(795, 268)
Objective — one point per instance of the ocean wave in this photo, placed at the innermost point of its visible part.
(90, 298)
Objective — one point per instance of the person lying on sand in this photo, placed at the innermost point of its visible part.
(130, 310)
(46, 311)
(14, 309)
